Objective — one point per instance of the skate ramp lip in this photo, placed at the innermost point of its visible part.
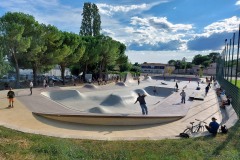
(119, 120)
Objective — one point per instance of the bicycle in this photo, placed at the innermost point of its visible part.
(193, 128)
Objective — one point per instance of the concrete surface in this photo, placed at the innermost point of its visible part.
(21, 117)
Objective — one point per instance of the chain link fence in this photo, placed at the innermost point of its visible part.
(228, 70)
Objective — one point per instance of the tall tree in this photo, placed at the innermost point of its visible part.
(4, 65)
(91, 21)
(96, 26)
(122, 60)
(90, 55)
(213, 56)
(76, 49)
(34, 55)
(108, 53)
(15, 28)
(199, 59)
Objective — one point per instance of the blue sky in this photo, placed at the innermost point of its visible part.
(152, 30)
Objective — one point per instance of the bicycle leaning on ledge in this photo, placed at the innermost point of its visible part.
(193, 128)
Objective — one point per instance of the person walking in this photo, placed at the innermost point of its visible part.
(138, 81)
(206, 90)
(44, 83)
(183, 94)
(176, 87)
(10, 96)
(31, 86)
(141, 100)
(155, 90)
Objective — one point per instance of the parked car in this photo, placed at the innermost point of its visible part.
(70, 77)
(7, 79)
(54, 79)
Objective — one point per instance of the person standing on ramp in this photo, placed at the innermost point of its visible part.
(183, 95)
(31, 86)
(141, 100)
(10, 96)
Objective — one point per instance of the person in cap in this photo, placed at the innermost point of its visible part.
(213, 126)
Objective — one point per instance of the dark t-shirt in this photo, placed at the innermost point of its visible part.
(141, 99)
(11, 94)
(214, 127)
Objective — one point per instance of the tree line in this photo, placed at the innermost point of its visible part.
(31, 45)
(204, 60)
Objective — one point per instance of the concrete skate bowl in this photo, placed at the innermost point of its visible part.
(121, 84)
(106, 108)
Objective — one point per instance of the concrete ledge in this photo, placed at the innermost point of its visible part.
(232, 116)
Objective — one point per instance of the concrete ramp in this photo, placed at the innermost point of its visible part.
(121, 84)
(147, 79)
(141, 91)
(64, 95)
(129, 78)
(112, 100)
(198, 95)
(90, 86)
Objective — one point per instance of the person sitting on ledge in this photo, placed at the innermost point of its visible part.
(219, 91)
(213, 126)
(226, 102)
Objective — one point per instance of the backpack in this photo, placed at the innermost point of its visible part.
(224, 129)
(11, 94)
(184, 135)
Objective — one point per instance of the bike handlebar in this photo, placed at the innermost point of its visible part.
(200, 121)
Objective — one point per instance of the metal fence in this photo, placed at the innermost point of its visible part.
(228, 70)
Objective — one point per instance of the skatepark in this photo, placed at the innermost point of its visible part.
(108, 112)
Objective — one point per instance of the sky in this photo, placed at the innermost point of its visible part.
(154, 31)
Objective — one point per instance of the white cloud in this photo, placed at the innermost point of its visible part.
(106, 9)
(162, 56)
(213, 35)
(225, 25)
(237, 3)
(156, 31)
(48, 12)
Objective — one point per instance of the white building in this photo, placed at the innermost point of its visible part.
(53, 72)
(156, 68)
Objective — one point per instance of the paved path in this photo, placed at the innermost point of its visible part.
(21, 118)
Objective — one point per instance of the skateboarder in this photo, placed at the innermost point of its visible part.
(141, 100)
(176, 87)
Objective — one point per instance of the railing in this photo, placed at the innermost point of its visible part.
(226, 63)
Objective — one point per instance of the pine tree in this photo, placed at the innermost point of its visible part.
(91, 22)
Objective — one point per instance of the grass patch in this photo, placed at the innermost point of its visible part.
(233, 82)
(17, 145)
